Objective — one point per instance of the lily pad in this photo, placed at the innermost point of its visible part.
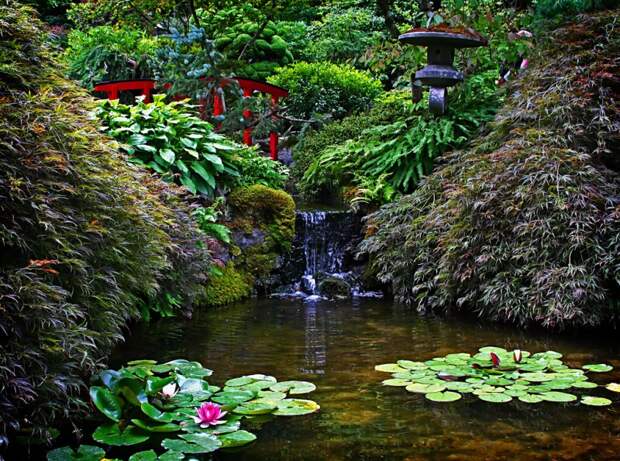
(396, 382)
(193, 443)
(389, 368)
(421, 388)
(110, 434)
(293, 387)
(530, 398)
(598, 367)
(595, 401)
(256, 408)
(232, 397)
(586, 385)
(106, 402)
(446, 396)
(409, 365)
(537, 377)
(497, 350)
(241, 381)
(236, 439)
(148, 455)
(558, 397)
(83, 453)
(296, 407)
(495, 397)
(271, 395)
(614, 387)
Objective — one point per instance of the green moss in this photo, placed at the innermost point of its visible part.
(226, 287)
(270, 214)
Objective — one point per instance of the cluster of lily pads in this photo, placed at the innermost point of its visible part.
(174, 404)
(498, 376)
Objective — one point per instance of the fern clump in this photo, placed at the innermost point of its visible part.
(85, 238)
(524, 226)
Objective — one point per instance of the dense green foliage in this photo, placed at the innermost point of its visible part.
(172, 405)
(110, 53)
(384, 158)
(172, 140)
(253, 45)
(523, 227)
(343, 35)
(325, 89)
(85, 239)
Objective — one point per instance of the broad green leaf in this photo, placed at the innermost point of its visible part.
(595, 401)
(110, 434)
(296, 407)
(293, 387)
(83, 453)
(495, 397)
(558, 397)
(598, 367)
(150, 426)
(256, 408)
(446, 396)
(530, 398)
(390, 368)
(236, 439)
(614, 387)
(149, 455)
(168, 155)
(106, 402)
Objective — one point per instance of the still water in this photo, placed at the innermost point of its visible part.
(336, 346)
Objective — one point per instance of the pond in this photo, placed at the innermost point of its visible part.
(336, 346)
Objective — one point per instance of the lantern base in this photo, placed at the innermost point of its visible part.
(438, 100)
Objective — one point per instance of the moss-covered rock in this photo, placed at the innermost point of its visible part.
(85, 238)
(524, 226)
(227, 286)
(263, 224)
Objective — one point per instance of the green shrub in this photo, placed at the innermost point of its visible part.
(386, 109)
(326, 89)
(550, 8)
(523, 227)
(258, 169)
(253, 46)
(343, 35)
(394, 156)
(109, 53)
(172, 140)
(85, 238)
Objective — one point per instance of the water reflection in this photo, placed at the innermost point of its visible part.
(336, 345)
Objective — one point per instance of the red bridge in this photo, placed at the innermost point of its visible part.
(145, 87)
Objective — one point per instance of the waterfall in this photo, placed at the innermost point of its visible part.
(323, 255)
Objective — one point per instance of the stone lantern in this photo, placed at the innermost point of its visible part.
(439, 73)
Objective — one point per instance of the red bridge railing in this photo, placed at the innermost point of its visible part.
(146, 87)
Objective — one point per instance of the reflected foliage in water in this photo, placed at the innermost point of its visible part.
(336, 346)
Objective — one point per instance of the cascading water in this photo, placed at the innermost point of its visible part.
(322, 262)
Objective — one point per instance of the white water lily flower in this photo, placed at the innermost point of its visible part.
(169, 390)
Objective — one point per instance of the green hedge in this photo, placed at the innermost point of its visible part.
(85, 239)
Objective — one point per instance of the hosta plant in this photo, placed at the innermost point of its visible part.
(496, 375)
(172, 140)
(173, 406)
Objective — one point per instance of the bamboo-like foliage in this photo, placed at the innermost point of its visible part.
(525, 226)
(84, 237)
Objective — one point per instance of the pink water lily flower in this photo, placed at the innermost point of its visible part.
(209, 414)
(169, 390)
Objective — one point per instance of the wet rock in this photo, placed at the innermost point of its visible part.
(334, 288)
